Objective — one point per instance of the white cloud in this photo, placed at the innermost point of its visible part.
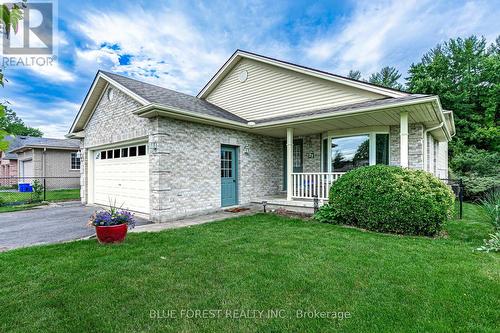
(397, 33)
(163, 47)
(53, 118)
(53, 72)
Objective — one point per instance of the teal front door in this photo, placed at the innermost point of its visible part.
(229, 176)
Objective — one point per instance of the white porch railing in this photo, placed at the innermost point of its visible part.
(309, 185)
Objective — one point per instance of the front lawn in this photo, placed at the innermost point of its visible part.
(262, 262)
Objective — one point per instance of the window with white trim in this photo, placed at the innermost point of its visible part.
(341, 153)
(75, 161)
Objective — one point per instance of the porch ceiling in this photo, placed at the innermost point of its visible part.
(424, 113)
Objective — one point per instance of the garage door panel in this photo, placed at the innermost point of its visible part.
(123, 182)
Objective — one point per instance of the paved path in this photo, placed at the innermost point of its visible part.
(46, 224)
(195, 220)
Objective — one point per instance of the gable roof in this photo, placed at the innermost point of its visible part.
(240, 54)
(154, 100)
(169, 98)
(28, 142)
(145, 94)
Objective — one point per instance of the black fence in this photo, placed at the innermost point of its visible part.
(27, 190)
(457, 186)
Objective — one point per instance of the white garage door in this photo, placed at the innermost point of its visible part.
(121, 175)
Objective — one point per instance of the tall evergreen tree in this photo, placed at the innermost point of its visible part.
(465, 74)
(354, 74)
(387, 77)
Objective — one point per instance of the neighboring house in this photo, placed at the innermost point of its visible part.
(50, 158)
(8, 162)
(258, 125)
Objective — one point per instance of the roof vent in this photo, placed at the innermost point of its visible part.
(243, 76)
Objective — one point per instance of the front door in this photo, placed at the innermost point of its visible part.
(229, 176)
(298, 159)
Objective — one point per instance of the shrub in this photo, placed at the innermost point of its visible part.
(492, 244)
(479, 169)
(477, 187)
(390, 199)
(491, 206)
(325, 214)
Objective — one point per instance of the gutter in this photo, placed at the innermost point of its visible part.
(424, 146)
(152, 110)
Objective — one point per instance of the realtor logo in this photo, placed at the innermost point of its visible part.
(33, 44)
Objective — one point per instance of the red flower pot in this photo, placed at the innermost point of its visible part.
(111, 234)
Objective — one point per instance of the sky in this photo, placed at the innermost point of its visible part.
(181, 44)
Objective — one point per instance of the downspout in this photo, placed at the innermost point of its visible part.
(424, 146)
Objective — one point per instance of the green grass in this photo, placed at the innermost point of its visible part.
(387, 283)
(51, 195)
(8, 209)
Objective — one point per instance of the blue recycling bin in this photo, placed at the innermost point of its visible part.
(25, 187)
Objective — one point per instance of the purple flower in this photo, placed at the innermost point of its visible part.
(108, 218)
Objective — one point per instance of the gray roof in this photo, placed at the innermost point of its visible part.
(167, 97)
(171, 98)
(378, 102)
(14, 142)
(33, 142)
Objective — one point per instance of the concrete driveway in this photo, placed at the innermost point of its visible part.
(47, 224)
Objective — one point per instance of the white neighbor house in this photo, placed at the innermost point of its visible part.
(259, 127)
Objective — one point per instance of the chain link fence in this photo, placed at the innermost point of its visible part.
(28, 190)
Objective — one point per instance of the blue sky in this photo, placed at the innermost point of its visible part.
(181, 44)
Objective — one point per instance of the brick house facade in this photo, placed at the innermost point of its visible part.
(169, 151)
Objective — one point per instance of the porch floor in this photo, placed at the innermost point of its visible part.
(279, 201)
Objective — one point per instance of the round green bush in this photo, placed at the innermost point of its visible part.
(389, 199)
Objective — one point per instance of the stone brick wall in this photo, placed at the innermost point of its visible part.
(312, 153)
(415, 146)
(111, 122)
(185, 169)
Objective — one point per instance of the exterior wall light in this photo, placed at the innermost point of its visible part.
(153, 147)
(246, 150)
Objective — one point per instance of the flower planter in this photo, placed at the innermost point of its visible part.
(111, 234)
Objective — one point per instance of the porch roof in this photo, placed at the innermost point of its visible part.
(384, 112)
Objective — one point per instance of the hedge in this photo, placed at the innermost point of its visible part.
(389, 199)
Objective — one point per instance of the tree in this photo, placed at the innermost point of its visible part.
(354, 74)
(387, 77)
(465, 74)
(10, 15)
(12, 124)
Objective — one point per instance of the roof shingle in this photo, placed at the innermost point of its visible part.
(167, 97)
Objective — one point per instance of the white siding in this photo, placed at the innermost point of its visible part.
(442, 160)
(272, 91)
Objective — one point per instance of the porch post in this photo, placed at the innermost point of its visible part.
(403, 135)
(289, 163)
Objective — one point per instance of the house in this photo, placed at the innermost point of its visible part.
(50, 158)
(8, 163)
(259, 127)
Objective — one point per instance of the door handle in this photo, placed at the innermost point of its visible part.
(234, 180)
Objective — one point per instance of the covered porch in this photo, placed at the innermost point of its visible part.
(318, 150)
